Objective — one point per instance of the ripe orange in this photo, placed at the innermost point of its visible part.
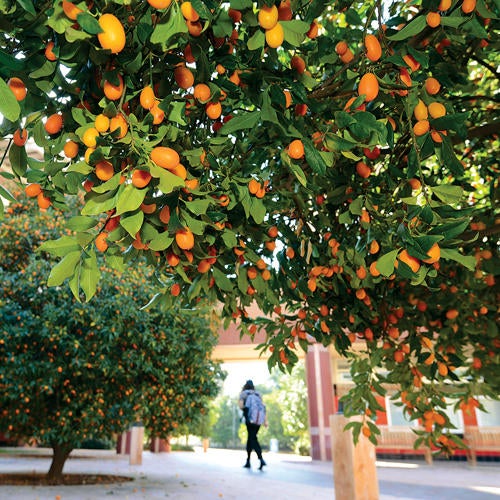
(432, 86)
(268, 17)
(433, 19)
(272, 232)
(54, 124)
(420, 112)
(296, 149)
(43, 201)
(160, 4)
(444, 5)
(118, 122)
(368, 86)
(341, 48)
(71, 10)
(373, 48)
(165, 214)
(20, 137)
(165, 157)
(411, 262)
(49, 54)
(437, 135)
(18, 88)
(213, 110)
(421, 127)
(434, 254)
(347, 57)
(436, 110)
(452, 314)
(361, 272)
(468, 6)
(363, 170)
(235, 15)
(114, 92)
(313, 30)
(33, 190)
(285, 11)
(275, 36)
(70, 149)
(189, 12)
(373, 269)
(140, 178)
(101, 123)
(89, 137)
(184, 239)
(194, 28)
(147, 97)
(113, 35)
(415, 184)
(298, 64)
(158, 114)
(202, 92)
(175, 290)
(180, 171)
(104, 170)
(100, 241)
(374, 247)
(183, 75)
(412, 63)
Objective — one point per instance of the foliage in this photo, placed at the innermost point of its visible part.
(321, 170)
(72, 371)
(225, 429)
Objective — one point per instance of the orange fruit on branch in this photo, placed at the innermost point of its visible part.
(71, 10)
(296, 149)
(434, 254)
(433, 19)
(368, 86)
(165, 157)
(32, 190)
(113, 35)
(104, 170)
(189, 12)
(373, 48)
(54, 124)
(119, 122)
(275, 36)
(160, 4)
(20, 137)
(183, 76)
(184, 239)
(140, 178)
(18, 88)
(49, 54)
(89, 137)
(114, 92)
(412, 262)
(268, 17)
(436, 110)
(432, 86)
(101, 123)
(70, 149)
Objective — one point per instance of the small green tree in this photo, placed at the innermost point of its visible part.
(226, 427)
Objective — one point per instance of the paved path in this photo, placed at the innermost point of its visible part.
(218, 474)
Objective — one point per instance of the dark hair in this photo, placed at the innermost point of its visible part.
(248, 385)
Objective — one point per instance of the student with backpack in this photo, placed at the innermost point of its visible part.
(254, 412)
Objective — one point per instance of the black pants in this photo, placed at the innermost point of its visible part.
(252, 441)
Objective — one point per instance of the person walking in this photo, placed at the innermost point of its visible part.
(254, 412)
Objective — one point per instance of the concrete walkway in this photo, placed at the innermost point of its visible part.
(218, 474)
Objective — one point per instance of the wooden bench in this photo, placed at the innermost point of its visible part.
(481, 439)
(401, 438)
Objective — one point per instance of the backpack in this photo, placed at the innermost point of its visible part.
(256, 409)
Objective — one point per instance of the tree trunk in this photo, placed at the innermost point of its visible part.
(60, 454)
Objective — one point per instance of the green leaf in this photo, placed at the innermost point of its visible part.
(199, 206)
(96, 204)
(130, 199)
(352, 18)
(258, 210)
(336, 143)
(64, 269)
(256, 41)
(161, 242)
(4, 193)
(241, 4)
(173, 25)
(27, 5)
(413, 28)
(451, 229)
(299, 173)
(295, 31)
(448, 194)
(483, 11)
(241, 122)
(60, 247)
(313, 157)
(221, 280)
(168, 180)
(385, 264)
(18, 160)
(89, 276)
(223, 25)
(89, 23)
(133, 223)
(176, 112)
(467, 261)
(9, 107)
(46, 69)
(81, 223)
(449, 158)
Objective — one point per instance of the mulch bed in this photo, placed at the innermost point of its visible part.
(33, 479)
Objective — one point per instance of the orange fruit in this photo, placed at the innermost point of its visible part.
(183, 76)
(87, 154)
(298, 64)
(189, 12)
(165, 157)
(253, 186)
(272, 232)
(184, 239)
(433, 19)
(285, 11)
(373, 269)
(113, 35)
(165, 214)
(452, 314)
(147, 97)
(213, 110)
(361, 272)
(100, 241)
(434, 254)
(420, 112)
(313, 30)
(296, 149)
(415, 184)
(363, 170)
(341, 48)
(432, 86)
(468, 6)
(160, 4)
(374, 247)
(89, 137)
(437, 135)
(368, 86)
(288, 98)
(410, 261)
(114, 92)
(119, 122)
(275, 36)
(18, 88)
(140, 178)
(421, 127)
(71, 10)
(235, 15)
(101, 123)
(104, 170)
(70, 149)
(436, 109)
(180, 171)
(20, 137)
(33, 190)
(202, 92)
(268, 17)
(54, 124)
(347, 57)
(444, 5)
(194, 28)
(412, 63)
(373, 48)
(158, 114)
(43, 201)
(49, 54)
(175, 290)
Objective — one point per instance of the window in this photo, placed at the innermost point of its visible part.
(492, 417)
(396, 416)
(456, 418)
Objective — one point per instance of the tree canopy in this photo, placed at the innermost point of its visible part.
(332, 161)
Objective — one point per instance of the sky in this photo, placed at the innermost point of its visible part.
(239, 372)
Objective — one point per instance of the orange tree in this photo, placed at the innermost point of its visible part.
(72, 371)
(331, 161)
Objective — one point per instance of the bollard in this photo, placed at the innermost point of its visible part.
(136, 444)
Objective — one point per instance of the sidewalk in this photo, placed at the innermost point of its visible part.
(218, 474)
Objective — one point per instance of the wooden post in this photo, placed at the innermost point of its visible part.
(136, 443)
(354, 468)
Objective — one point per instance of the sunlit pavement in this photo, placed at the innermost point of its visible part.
(219, 474)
